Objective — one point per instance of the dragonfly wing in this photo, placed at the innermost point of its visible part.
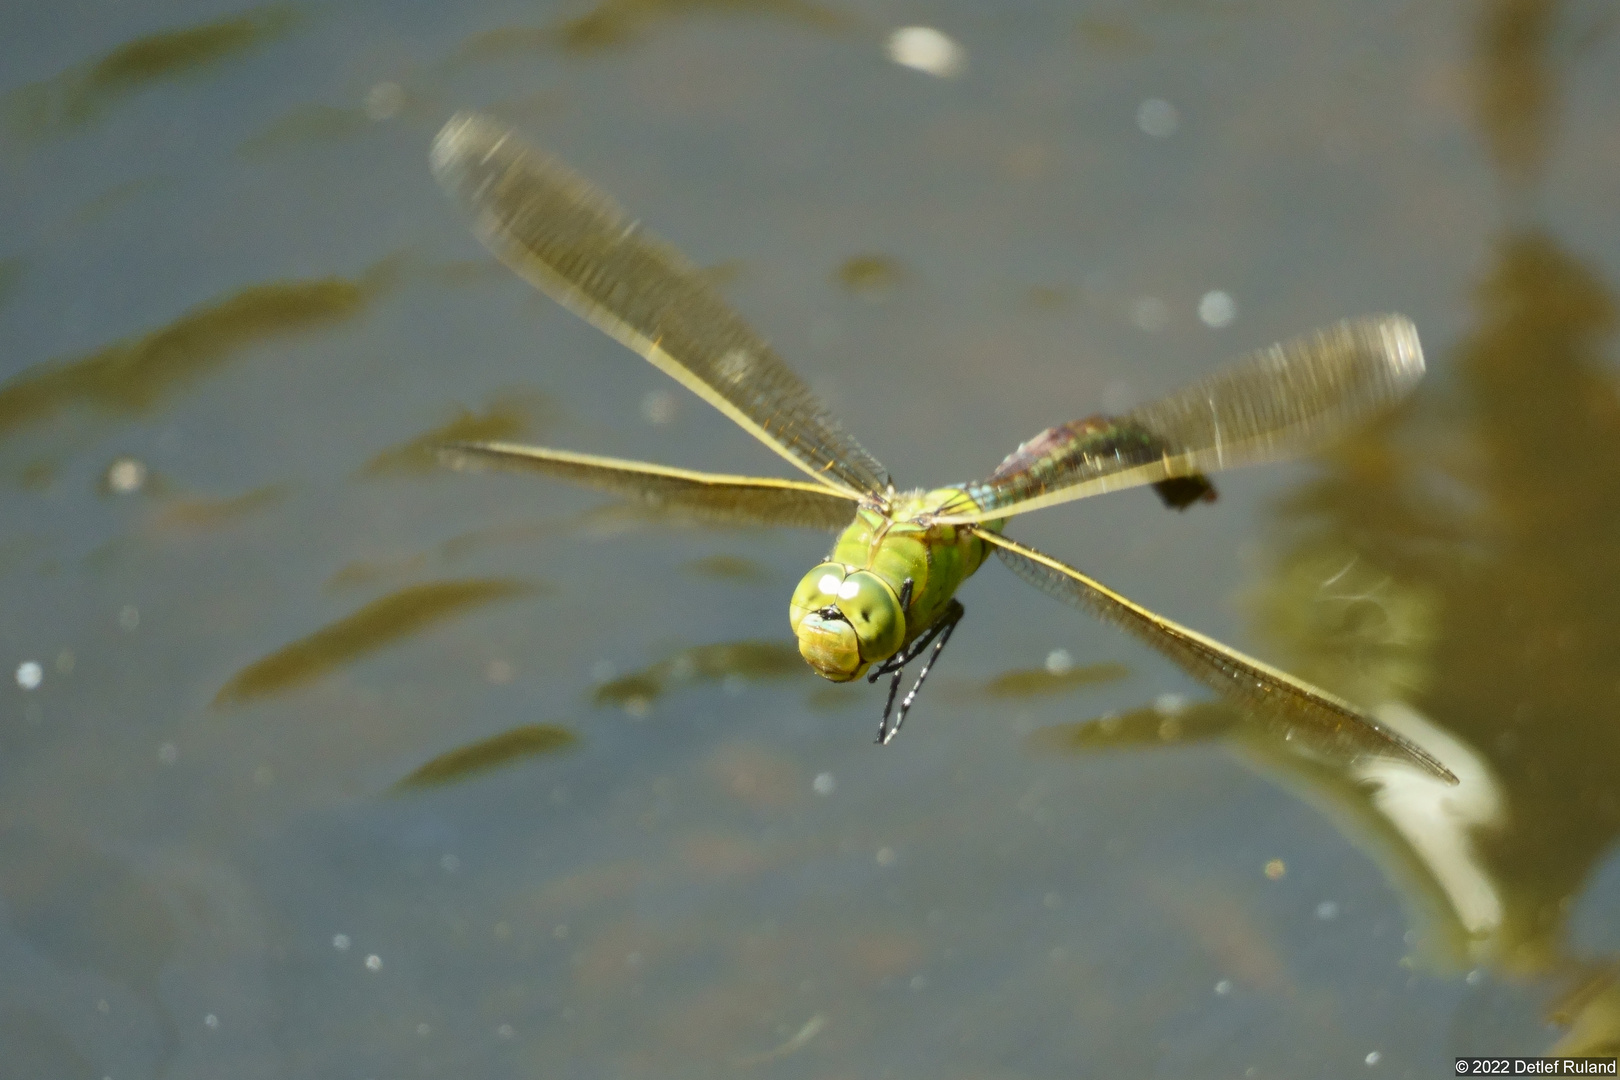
(576, 245)
(1320, 721)
(1272, 404)
(712, 497)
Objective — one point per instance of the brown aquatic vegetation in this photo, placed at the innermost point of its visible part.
(1039, 682)
(615, 23)
(1143, 727)
(705, 663)
(194, 513)
(385, 621)
(79, 95)
(134, 376)
(870, 277)
(308, 123)
(729, 568)
(497, 751)
(513, 415)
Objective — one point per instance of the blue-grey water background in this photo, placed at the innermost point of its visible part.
(319, 761)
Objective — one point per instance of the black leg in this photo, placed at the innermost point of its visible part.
(942, 629)
(899, 660)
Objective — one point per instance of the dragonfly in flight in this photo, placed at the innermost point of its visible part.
(886, 592)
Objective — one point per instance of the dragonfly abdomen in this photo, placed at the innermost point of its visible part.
(1071, 453)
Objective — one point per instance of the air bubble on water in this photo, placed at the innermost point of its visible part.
(340, 942)
(1223, 987)
(423, 1030)
(450, 864)
(922, 48)
(373, 962)
(126, 476)
(919, 982)
(824, 783)
(885, 856)
(1327, 910)
(1216, 309)
(168, 753)
(1373, 1058)
(1058, 661)
(211, 1020)
(30, 675)
(1157, 118)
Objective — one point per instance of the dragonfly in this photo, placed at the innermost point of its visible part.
(886, 594)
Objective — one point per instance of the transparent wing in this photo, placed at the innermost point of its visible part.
(725, 500)
(1273, 404)
(576, 245)
(1322, 722)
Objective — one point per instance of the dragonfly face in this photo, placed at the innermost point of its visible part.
(846, 620)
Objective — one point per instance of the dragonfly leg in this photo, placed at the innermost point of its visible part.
(902, 658)
(942, 629)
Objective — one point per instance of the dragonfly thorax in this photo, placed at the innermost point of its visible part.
(847, 612)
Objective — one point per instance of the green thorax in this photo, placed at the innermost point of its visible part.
(846, 611)
(897, 545)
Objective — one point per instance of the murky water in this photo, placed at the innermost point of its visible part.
(319, 761)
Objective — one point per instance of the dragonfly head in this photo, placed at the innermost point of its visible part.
(845, 621)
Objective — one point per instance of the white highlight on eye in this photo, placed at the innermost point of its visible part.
(848, 589)
(828, 584)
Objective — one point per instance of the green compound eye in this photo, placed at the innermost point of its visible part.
(817, 589)
(871, 607)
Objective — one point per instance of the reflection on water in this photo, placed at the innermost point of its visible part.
(384, 621)
(133, 377)
(507, 748)
(75, 97)
(732, 662)
(1590, 1010)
